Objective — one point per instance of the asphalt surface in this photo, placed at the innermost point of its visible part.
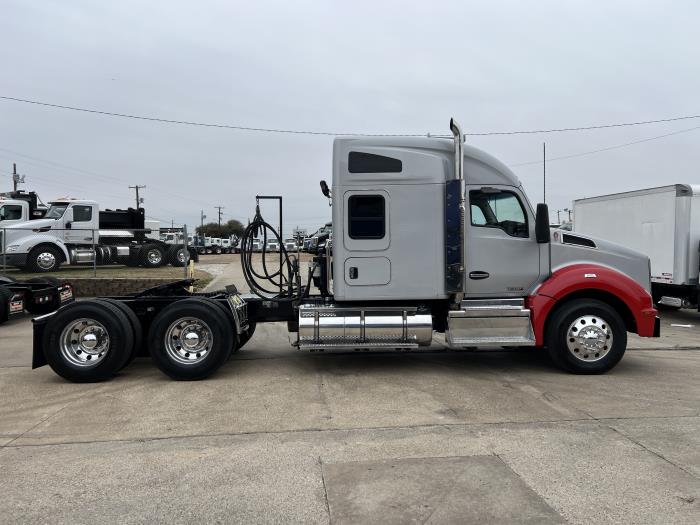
(281, 436)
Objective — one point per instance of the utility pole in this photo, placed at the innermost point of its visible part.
(201, 228)
(558, 219)
(219, 208)
(139, 200)
(16, 178)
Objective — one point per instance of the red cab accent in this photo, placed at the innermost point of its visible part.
(582, 277)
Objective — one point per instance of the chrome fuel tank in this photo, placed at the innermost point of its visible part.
(392, 327)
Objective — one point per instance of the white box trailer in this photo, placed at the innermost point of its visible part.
(663, 223)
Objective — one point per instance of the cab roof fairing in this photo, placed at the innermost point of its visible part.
(423, 152)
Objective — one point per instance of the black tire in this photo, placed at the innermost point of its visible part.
(152, 255)
(177, 256)
(44, 258)
(134, 324)
(117, 328)
(199, 362)
(579, 354)
(5, 295)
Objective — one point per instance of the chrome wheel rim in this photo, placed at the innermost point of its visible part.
(188, 340)
(46, 260)
(154, 256)
(181, 256)
(84, 342)
(589, 338)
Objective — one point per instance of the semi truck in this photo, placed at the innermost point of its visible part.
(75, 231)
(663, 223)
(489, 274)
(20, 206)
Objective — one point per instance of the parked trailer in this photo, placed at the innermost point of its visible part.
(488, 274)
(663, 223)
(36, 296)
(77, 232)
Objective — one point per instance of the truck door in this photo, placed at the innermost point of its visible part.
(502, 256)
(13, 213)
(80, 227)
(366, 238)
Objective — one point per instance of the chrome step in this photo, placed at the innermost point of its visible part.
(492, 308)
(490, 322)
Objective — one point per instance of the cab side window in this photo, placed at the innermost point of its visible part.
(11, 212)
(498, 209)
(82, 213)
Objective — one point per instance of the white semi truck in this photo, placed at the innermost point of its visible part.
(20, 206)
(662, 223)
(75, 231)
(488, 273)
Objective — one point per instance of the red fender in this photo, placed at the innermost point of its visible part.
(580, 277)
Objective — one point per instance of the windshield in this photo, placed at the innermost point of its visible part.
(56, 211)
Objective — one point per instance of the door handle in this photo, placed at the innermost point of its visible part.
(353, 272)
(478, 275)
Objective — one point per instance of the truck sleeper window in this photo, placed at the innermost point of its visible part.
(501, 210)
(366, 216)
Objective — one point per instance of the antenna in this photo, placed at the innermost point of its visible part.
(544, 172)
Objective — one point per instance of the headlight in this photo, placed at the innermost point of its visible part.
(13, 247)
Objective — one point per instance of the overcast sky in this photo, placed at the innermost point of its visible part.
(361, 66)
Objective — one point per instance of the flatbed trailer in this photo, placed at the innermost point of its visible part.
(489, 273)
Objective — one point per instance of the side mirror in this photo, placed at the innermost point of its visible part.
(68, 218)
(542, 224)
(325, 190)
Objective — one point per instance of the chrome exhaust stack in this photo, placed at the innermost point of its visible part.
(459, 148)
(455, 271)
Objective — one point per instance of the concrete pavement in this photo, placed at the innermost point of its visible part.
(283, 436)
(280, 436)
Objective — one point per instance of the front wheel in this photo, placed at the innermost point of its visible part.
(44, 259)
(586, 336)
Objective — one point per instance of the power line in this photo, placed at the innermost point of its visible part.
(333, 134)
(609, 148)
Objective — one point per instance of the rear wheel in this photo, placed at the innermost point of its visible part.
(190, 339)
(134, 325)
(177, 256)
(87, 341)
(586, 336)
(44, 259)
(152, 256)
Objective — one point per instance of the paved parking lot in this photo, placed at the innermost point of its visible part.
(284, 436)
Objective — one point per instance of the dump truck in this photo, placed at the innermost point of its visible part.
(661, 222)
(20, 206)
(76, 231)
(489, 273)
